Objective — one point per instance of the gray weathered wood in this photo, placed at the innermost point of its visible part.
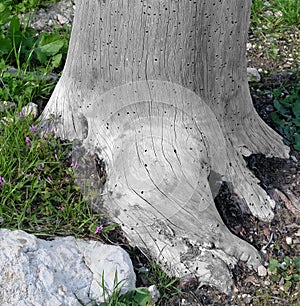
(158, 89)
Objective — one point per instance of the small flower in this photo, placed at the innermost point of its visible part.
(56, 157)
(28, 141)
(41, 166)
(98, 229)
(74, 165)
(2, 181)
(22, 113)
(49, 179)
(26, 175)
(33, 129)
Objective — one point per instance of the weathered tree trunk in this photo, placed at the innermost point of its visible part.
(159, 89)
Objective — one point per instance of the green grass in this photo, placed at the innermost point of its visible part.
(22, 6)
(275, 15)
(39, 194)
(286, 116)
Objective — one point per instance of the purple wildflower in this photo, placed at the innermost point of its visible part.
(41, 166)
(49, 179)
(28, 141)
(26, 175)
(56, 157)
(2, 180)
(22, 113)
(33, 129)
(98, 229)
(74, 165)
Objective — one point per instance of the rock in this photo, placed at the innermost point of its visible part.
(29, 109)
(289, 240)
(64, 271)
(269, 13)
(262, 271)
(55, 14)
(154, 293)
(253, 75)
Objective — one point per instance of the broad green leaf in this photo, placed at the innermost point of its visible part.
(297, 142)
(296, 260)
(287, 285)
(4, 12)
(56, 60)
(40, 56)
(273, 265)
(2, 7)
(287, 261)
(51, 48)
(142, 298)
(14, 27)
(279, 107)
(276, 119)
(296, 109)
(5, 45)
(296, 121)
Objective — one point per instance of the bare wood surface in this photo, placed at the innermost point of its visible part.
(159, 90)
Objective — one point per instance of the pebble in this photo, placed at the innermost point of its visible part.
(154, 293)
(253, 75)
(262, 271)
(269, 13)
(289, 240)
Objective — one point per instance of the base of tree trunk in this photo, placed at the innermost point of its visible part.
(165, 157)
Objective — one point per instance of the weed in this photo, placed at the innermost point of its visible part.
(166, 285)
(22, 6)
(21, 46)
(286, 116)
(136, 297)
(288, 270)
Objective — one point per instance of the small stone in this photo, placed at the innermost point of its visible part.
(155, 294)
(184, 302)
(289, 240)
(269, 108)
(253, 75)
(262, 271)
(30, 109)
(269, 13)
(278, 14)
(267, 283)
(62, 19)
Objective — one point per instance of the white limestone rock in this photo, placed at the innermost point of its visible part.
(62, 271)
